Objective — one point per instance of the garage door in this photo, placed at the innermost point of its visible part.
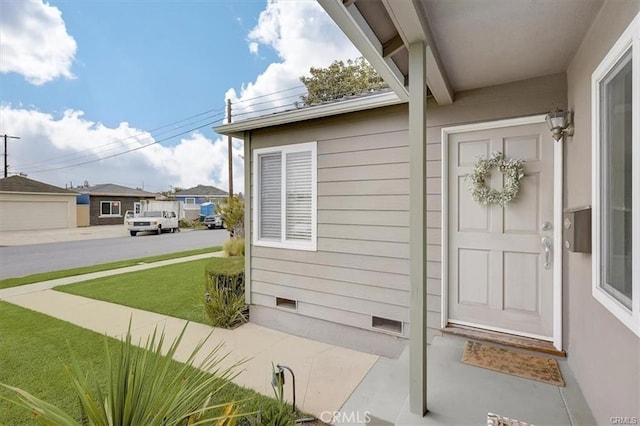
(25, 215)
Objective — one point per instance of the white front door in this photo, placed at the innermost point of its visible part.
(500, 276)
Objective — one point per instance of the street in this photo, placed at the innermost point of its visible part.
(23, 260)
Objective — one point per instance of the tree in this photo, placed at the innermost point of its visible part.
(339, 80)
(231, 210)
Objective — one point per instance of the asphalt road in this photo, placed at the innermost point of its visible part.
(18, 261)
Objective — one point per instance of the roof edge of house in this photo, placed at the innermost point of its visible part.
(70, 193)
(326, 110)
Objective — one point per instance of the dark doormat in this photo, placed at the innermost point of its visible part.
(533, 367)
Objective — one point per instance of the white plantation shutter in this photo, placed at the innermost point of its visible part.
(285, 180)
(270, 171)
(298, 195)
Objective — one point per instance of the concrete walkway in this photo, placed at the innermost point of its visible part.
(326, 375)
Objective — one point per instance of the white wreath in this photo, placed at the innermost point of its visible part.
(513, 171)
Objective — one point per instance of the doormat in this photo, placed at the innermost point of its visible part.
(533, 367)
(496, 420)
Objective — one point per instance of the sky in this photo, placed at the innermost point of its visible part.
(127, 91)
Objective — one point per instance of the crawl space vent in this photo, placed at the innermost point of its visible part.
(386, 324)
(281, 302)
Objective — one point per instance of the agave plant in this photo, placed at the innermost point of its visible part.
(144, 387)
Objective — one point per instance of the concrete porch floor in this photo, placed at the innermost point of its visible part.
(460, 394)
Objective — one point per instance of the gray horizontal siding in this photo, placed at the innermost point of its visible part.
(396, 234)
(315, 260)
(361, 265)
(365, 187)
(329, 289)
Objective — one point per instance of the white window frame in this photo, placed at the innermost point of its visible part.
(629, 40)
(111, 208)
(310, 245)
(192, 203)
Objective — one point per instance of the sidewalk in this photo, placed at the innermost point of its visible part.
(326, 375)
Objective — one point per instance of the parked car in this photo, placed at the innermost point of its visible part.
(153, 221)
(213, 222)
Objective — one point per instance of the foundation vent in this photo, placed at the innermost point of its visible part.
(282, 302)
(386, 324)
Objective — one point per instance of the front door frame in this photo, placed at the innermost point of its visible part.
(558, 178)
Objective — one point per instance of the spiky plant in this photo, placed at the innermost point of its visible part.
(144, 388)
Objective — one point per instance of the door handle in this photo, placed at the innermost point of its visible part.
(546, 245)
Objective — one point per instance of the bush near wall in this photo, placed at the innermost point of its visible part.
(224, 292)
(234, 247)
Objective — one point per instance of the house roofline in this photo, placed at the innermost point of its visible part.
(71, 194)
(122, 194)
(336, 108)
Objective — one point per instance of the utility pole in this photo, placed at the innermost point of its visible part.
(6, 165)
(230, 151)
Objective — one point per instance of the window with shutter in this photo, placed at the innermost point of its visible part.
(284, 214)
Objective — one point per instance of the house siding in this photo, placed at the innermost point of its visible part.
(94, 209)
(602, 352)
(361, 264)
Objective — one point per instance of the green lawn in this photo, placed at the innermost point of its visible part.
(34, 349)
(175, 290)
(46, 276)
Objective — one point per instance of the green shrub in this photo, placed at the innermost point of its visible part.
(231, 210)
(234, 247)
(224, 292)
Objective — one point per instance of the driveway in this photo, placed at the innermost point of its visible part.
(30, 252)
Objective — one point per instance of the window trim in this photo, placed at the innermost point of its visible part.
(310, 245)
(628, 41)
(186, 201)
(111, 208)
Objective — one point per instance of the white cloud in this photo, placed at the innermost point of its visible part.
(48, 143)
(300, 33)
(34, 41)
(303, 36)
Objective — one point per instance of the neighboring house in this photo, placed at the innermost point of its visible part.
(192, 198)
(363, 230)
(26, 204)
(108, 202)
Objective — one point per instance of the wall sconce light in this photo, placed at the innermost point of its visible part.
(560, 123)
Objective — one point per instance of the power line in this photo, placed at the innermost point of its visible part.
(270, 101)
(125, 152)
(118, 141)
(79, 156)
(272, 93)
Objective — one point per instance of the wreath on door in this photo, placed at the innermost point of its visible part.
(512, 170)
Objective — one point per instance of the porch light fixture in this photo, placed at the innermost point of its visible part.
(560, 123)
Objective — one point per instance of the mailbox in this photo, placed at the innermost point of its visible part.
(577, 229)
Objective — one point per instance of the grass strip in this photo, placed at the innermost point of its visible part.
(34, 349)
(46, 276)
(174, 290)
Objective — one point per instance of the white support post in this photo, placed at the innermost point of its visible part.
(418, 227)
(558, 205)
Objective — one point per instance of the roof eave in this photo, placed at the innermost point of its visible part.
(411, 27)
(351, 105)
(356, 28)
(71, 194)
(111, 194)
